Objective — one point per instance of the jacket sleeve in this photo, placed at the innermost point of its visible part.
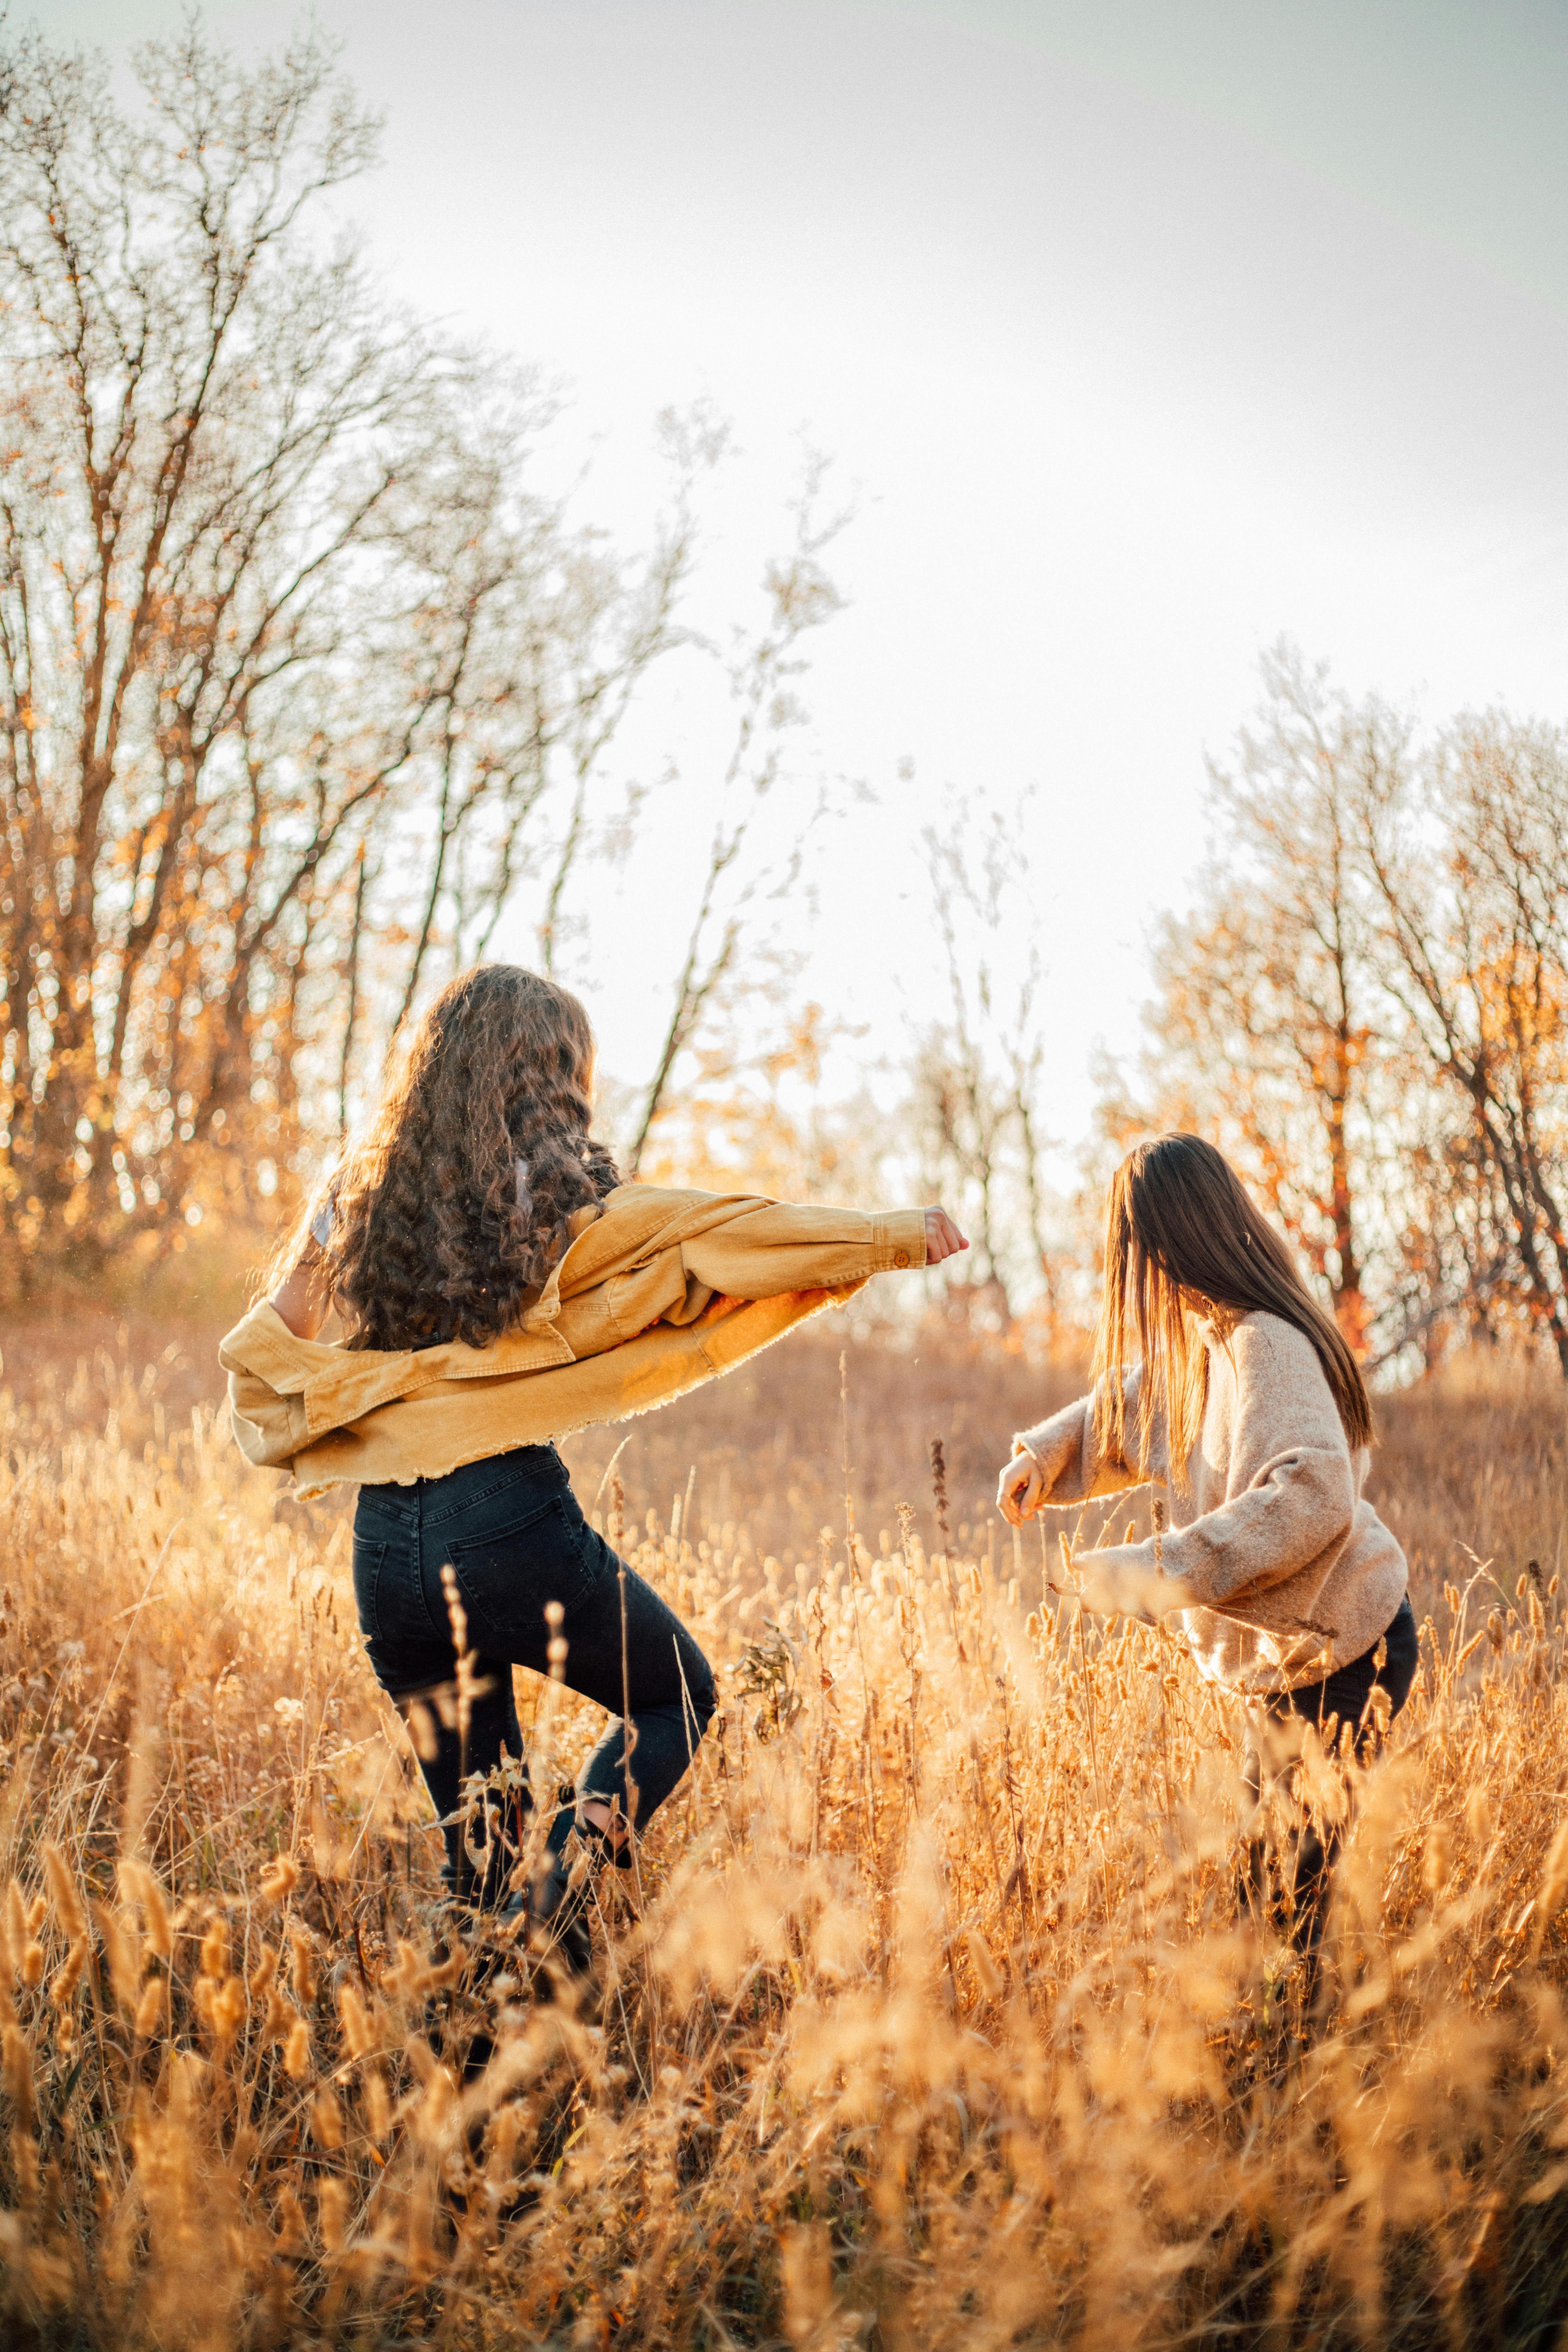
(265, 1411)
(1291, 1491)
(768, 1249)
(1067, 1452)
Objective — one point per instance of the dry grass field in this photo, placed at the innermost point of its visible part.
(931, 2019)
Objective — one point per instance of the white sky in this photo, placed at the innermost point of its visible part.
(1149, 332)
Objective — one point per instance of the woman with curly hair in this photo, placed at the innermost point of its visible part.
(498, 1287)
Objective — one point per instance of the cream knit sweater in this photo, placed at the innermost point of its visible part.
(1280, 1570)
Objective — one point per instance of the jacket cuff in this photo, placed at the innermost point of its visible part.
(902, 1239)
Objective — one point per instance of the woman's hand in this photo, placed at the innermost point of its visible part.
(1020, 1490)
(943, 1237)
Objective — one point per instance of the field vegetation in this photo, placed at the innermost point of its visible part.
(932, 2018)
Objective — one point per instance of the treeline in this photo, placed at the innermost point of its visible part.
(1367, 1006)
(302, 674)
(304, 681)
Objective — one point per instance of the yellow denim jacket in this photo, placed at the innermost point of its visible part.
(658, 1291)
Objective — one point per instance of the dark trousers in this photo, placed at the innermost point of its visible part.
(1306, 1860)
(512, 1533)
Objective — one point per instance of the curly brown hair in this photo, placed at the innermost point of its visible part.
(434, 1235)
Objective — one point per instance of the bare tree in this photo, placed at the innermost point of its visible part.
(288, 647)
(1447, 1273)
(1368, 1006)
(1469, 861)
(761, 670)
(194, 449)
(1262, 1032)
(604, 678)
(976, 1072)
(533, 643)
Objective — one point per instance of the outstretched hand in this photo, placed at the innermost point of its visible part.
(1021, 1489)
(943, 1237)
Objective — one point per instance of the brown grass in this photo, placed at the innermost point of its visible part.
(932, 2021)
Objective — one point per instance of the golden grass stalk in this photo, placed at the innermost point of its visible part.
(935, 2020)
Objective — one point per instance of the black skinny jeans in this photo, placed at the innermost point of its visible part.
(1342, 1694)
(512, 1532)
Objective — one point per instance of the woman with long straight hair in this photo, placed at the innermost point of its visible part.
(499, 1288)
(1244, 1407)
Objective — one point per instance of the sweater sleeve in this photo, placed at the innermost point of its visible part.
(1065, 1449)
(1289, 1491)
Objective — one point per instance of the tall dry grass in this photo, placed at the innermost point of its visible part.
(932, 2020)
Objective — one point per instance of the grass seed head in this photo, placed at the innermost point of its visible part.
(63, 1892)
(931, 1996)
(296, 2051)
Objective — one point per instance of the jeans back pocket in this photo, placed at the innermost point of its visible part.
(508, 1573)
(388, 1591)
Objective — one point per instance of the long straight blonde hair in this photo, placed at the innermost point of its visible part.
(1179, 1219)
